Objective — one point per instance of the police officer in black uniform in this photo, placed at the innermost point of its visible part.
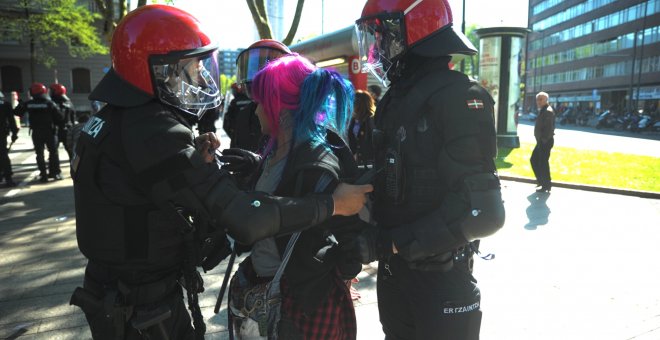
(151, 202)
(240, 122)
(44, 117)
(7, 127)
(437, 191)
(58, 95)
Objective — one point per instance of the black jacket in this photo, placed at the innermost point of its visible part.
(132, 163)
(317, 257)
(43, 113)
(242, 125)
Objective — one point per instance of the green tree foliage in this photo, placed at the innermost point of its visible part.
(225, 83)
(112, 14)
(51, 23)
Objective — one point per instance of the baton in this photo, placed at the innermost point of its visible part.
(225, 280)
(10, 144)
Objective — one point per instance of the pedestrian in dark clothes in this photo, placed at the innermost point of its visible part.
(544, 131)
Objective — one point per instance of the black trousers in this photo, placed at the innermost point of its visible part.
(5, 162)
(45, 138)
(416, 304)
(540, 162)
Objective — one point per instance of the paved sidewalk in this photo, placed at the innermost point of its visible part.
(571, 264)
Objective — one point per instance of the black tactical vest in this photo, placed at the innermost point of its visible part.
(424, 127)
(116, 224)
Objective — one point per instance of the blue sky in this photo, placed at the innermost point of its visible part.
(231, 22)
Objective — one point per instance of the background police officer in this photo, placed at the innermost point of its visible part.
(242, 124)
(151, 202)
(43, 117)
(7, 127)
(437, 191)
(58, 95)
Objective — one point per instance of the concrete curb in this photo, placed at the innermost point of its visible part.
(607, 190)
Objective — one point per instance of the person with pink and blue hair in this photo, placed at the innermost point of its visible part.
(304, 111)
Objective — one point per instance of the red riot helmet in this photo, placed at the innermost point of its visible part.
(254, 58)
(57, 90)
(161, 52)
(388, 29)
(38, 89)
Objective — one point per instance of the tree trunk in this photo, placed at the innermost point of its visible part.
(260, 18)
(294, 24)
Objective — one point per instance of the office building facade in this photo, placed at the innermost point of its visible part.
(594, 54)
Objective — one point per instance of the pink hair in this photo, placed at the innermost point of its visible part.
(277, 87)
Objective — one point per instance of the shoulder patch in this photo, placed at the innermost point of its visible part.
(475, 104)
(94, 126)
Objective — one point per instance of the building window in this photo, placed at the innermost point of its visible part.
(629, 14)
(12, 79)
(81, 80)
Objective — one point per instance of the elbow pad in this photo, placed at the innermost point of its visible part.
(485, 215)
(475, 212)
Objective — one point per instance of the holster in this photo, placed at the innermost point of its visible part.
(108, 310)
(105, 315)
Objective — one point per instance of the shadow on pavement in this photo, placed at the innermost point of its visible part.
(40, 264)
(537, 211)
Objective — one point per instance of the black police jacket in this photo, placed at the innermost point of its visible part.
(43, 113)
(436, 144)
(132, 165)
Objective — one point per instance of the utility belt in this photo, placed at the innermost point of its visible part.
(144, 306)
(460, 257)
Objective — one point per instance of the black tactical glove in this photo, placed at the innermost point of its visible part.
(240, 162)
(373, 244)
(215, 248)
(14, 137)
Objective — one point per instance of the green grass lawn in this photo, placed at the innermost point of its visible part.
(600, 168)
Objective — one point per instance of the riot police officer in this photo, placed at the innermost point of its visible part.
(242, 124)
(437, 191)
(7, 126)
(151, 202)
(44, 117)
(58, 95)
